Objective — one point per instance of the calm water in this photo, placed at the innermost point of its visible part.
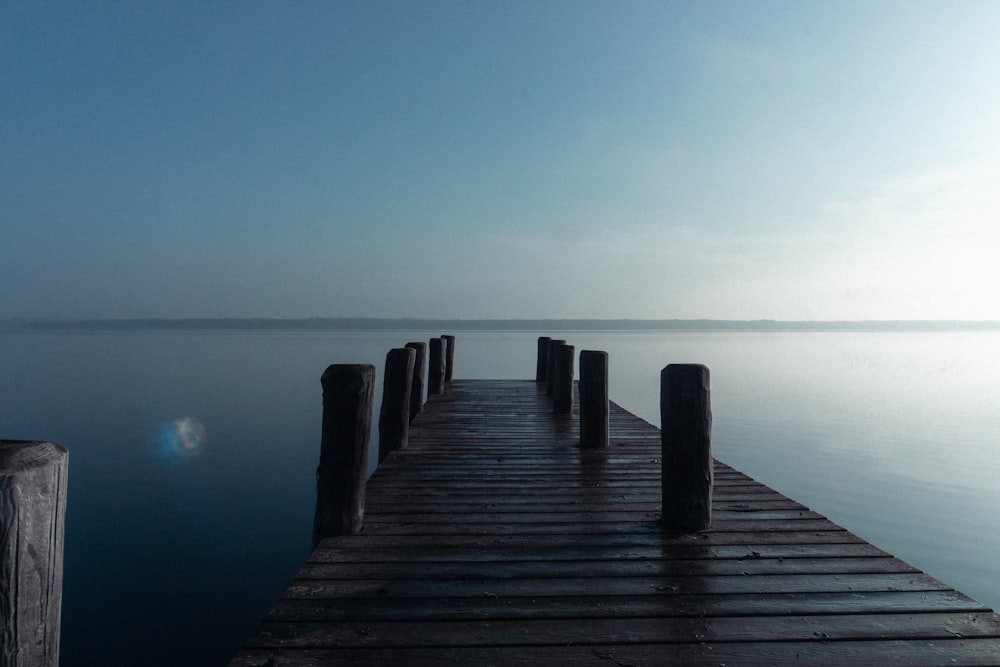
(192, 454)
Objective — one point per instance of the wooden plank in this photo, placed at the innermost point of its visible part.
(485, 607)
(494, 539)
(583, 632)
(915, 653)
(472, 505)
(649, 537)
(793, 517)
(353, 553)
(603, 568)
(596, 587)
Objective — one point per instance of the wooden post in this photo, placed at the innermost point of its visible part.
(343, 459)
(436, 366)
(541, 365)
(594, 407)
(394, 418)
(550, 365)
(686, 418)
(449, 363)
(32, 524)
(419, 376)
(562, 396)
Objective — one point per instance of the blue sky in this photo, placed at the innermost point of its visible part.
(744, 160)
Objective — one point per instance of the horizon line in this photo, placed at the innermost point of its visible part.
(532, 324)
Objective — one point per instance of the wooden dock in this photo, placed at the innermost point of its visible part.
(495, 539)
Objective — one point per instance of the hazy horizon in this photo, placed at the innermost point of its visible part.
(795, 161)
(492, 324)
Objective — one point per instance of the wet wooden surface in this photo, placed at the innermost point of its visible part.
(495, 539)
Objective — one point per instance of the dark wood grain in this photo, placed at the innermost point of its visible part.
(348, 391)
(419, 377)
(33, 483)
(593, 403)
(394, 417)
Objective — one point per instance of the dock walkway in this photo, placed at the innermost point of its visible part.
(493, 538)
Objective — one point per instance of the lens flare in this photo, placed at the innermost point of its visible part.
(179, 440)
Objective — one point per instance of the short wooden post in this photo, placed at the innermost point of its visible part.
(541, 366)
(436, 365)
(562, 396)
(348, 391)
(32, 524)
(594, 406)
(394, 418)
(449, 362)
(550, 365)
(686, 418)
(419, 376)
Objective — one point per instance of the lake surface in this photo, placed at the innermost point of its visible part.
(193, 454)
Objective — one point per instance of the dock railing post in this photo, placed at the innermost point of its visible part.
(449, 360)
(348, 391)
(562, 395)
(594, 406)
(32, 525)
(541, 367)
(436, 365)
(419, 376)
(394, 417)
(550, 365)
(686, 436)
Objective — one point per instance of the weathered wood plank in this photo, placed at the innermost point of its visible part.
(915, 653)
(624, 540)
(583, 632)
(596, 587)
(605, 568)
(440, 554)
(474, 504)
(651, 525)
(486, 607)
(796, 518)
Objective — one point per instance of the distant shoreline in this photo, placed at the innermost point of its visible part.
(446, 325)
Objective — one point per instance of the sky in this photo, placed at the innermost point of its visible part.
(477, 159)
